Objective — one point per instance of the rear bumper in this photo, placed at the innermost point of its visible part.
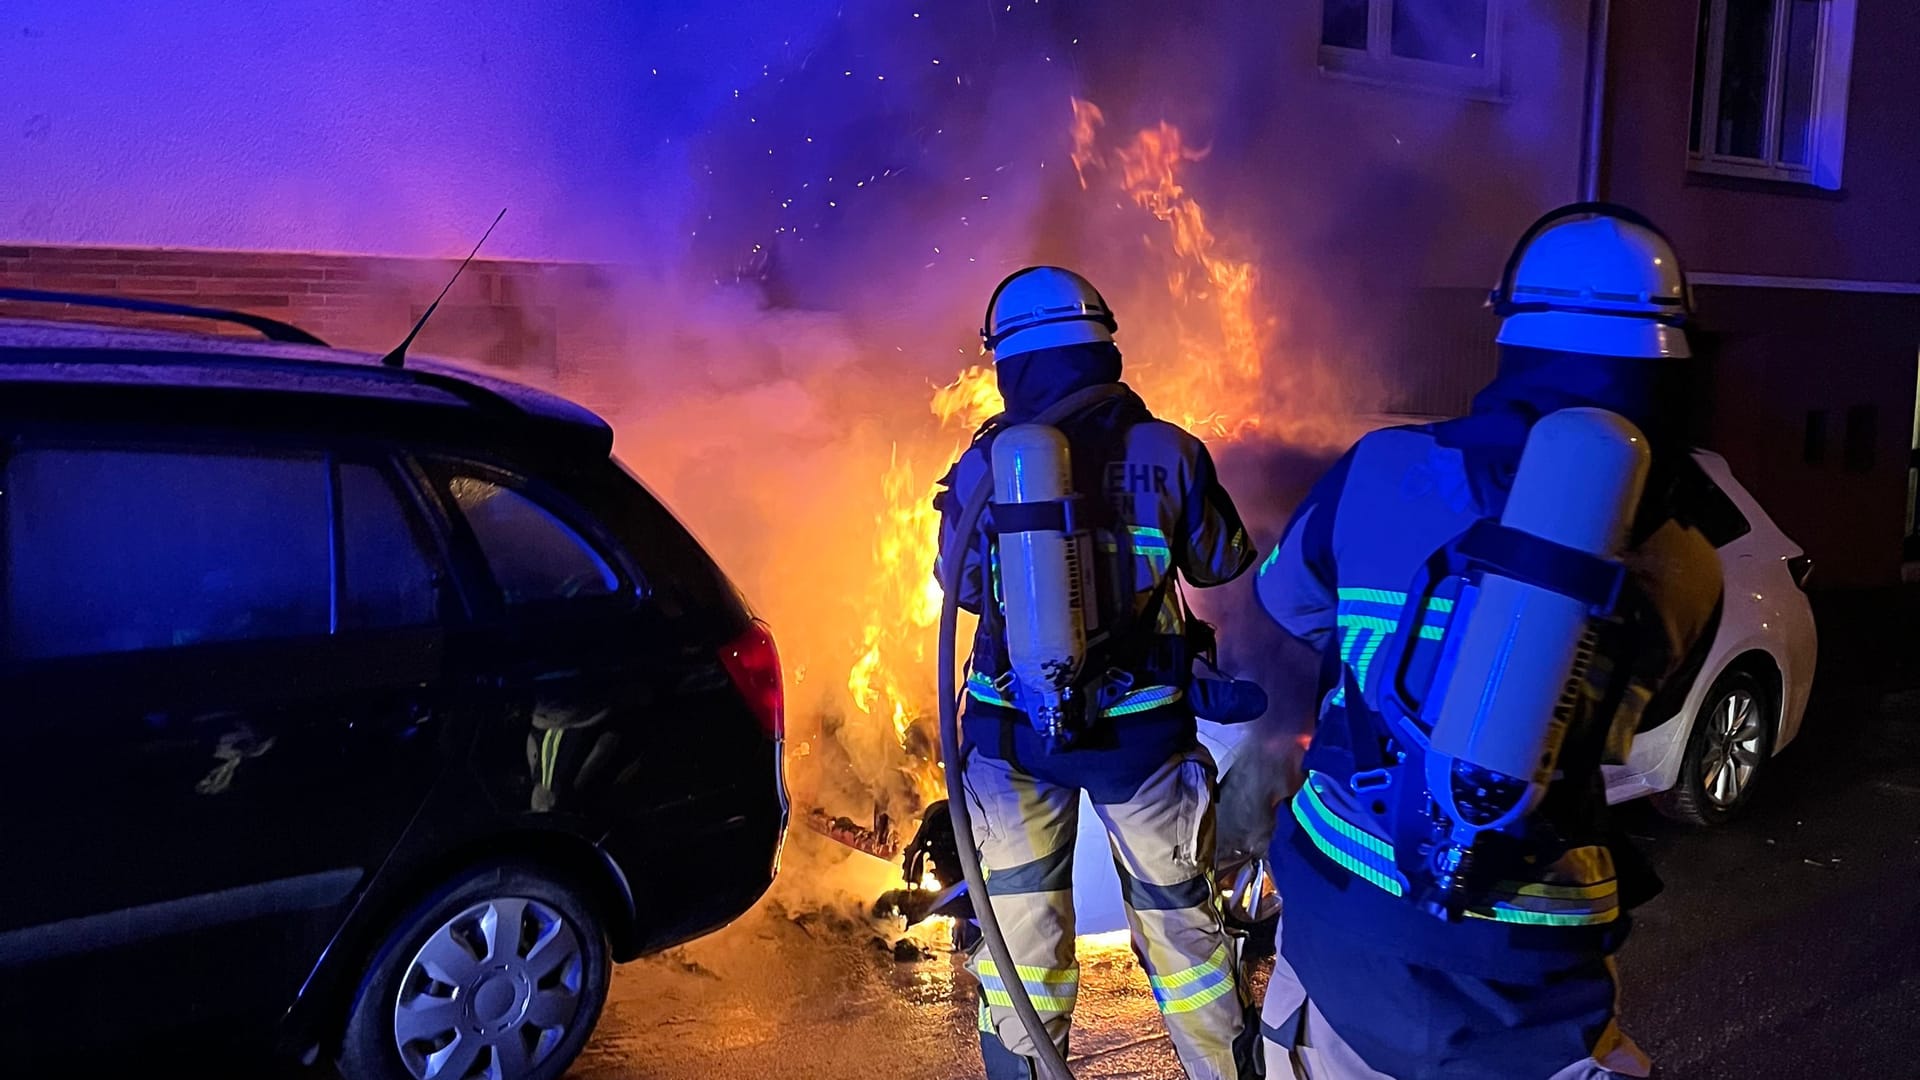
(686, 882)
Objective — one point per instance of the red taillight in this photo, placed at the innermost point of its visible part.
(754, 663)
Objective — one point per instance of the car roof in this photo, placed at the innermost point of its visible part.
(78, 354)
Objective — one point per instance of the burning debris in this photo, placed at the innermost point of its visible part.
(877, 841)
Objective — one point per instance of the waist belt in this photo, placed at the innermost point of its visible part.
(1588, 898)
(984, 690)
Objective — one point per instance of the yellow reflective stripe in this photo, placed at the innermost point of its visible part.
(1199, 985)
(1032, 974)
(1387, 626)
(1314, 817)
(981, 688)
(1358, 835)
(1040, 1001)
(1216, 962)
(1389, 598)
(1521, 916)
(1053, 989)
(1151, 697)
(549, 755)
(1147, 537)
(1205, 997)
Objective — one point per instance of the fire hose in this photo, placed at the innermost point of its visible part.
(1051, 1064)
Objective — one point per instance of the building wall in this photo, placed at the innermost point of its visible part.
(521, 318)
(1786, 364)
(1869, 230)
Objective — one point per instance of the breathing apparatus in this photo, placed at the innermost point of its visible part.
(1045, 576)
(1480, 749)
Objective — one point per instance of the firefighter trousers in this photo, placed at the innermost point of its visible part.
(1302, 1045)
(1162, 842)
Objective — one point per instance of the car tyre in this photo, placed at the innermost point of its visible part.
(1728, 748)
(502, 974)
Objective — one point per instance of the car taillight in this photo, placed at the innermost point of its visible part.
(754, 663)
(1801, 567)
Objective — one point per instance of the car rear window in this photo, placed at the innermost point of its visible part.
(680, 575)
(534, 555)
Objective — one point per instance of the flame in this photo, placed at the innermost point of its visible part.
(1222, 336)
(1087, 121)
(894, 674)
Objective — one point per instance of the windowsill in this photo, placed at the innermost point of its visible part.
(1419, 76)
(1727, 177)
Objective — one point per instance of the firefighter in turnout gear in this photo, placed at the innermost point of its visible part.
(1497, 599)
(1111, 714)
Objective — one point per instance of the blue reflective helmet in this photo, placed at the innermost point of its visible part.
(1595, 278)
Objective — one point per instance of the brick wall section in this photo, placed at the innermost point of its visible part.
(545, 323)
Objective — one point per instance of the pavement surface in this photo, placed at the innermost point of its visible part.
(1786, 945)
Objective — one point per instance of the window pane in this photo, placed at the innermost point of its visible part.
(1745, 64)
(112, 551)
(1796, 106)
(1343, 24)
(1444, 31)
(534, 556)
(1700, 74)
(389, 580)
(1716, 516)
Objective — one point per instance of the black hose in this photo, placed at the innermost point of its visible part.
(952, 565)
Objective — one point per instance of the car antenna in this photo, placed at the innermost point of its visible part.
(398, 357)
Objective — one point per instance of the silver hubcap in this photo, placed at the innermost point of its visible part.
(491, 993)
(1734, 734)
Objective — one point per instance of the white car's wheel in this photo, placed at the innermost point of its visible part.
(1727, 751)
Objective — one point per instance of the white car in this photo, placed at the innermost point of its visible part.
(1740, 701)
(1749, 693)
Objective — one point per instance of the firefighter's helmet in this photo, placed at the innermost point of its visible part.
(1043, 307)
(1599, 279)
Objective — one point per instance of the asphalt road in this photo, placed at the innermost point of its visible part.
(1786, 945)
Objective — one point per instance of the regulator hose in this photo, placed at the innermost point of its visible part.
(1052, 1065)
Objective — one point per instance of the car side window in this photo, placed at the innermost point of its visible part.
(533, 554)
(1716, 516)
(118, 550)
(388, 578)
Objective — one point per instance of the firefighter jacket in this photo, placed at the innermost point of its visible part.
(1158, 514)
(1340, 579)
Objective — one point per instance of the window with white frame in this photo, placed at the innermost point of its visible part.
(1441, 43)
(1770, 82)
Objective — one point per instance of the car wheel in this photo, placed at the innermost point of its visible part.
(502, 975)
(1727, 750)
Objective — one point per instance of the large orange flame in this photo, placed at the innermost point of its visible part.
(894, 676)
